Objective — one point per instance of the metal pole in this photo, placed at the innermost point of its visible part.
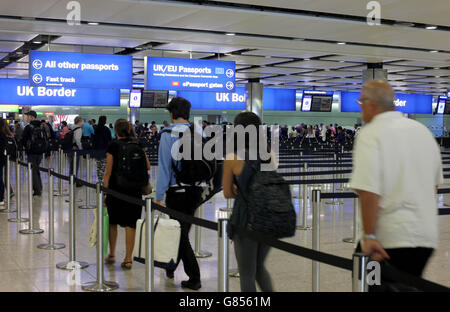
(51, 218)
(7, 196)
(149, 248)
(355, 222)
(18, 217)
(332, 201)
(360, 261)
(74, 173)
(30, 229)
(316, 239)
(88, 205)
(223, 254)
(200, 213)
(304, 225)
(100, 285)
(68, 265)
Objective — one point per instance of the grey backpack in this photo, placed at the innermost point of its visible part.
(269, 204)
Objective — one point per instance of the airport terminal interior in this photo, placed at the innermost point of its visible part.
(294, 63)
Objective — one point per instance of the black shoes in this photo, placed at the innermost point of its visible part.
(191, 285)
(170, 274)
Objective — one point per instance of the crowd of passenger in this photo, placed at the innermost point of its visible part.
(375, 175)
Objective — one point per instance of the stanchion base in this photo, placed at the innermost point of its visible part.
(106, 286)
(303, 228)
(203, 254)
(7, 211)
(55, 246)
(31, 231)
(76, 200)
(349, 240)
(87, 207)
(332, 202)
(63, 265)
(234, 273)
(21, 220)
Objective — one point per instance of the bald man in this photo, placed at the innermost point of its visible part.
(397, 168)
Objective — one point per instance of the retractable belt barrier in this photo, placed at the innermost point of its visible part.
(333, 260)
(314, 173)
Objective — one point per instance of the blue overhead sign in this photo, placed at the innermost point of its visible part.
(80, 70)
(19, 92)
(279, 99)
(189, 75)
(405, 103)
(273, 99)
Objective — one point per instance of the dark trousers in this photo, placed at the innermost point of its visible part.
(35, 161)
(186, 202)
(409, 260)
(70, 157)
(2, 183)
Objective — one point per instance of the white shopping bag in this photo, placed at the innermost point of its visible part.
(166, 242)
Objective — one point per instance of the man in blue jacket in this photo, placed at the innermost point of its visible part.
(183, 198)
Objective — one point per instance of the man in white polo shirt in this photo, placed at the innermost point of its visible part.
(397, 168)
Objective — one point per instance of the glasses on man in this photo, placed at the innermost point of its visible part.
(361, 101)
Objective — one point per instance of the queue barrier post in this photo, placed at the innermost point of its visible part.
(353, 239)
(304, 225)
(88, 205)
(51, 218)
(316, 239)
(360, 261)
(30, 229)
(149, 248)
(200, 213)
(74, 173)
(100, 285)
(223, 284)
(333, 201)
(69, 265)
(18, 218)
(7, 196)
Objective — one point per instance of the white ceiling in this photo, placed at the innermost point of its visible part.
(267, 44)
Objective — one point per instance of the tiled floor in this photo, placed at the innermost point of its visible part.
(24, 267)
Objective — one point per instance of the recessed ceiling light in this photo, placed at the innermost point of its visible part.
(93, 23)
(19, 52)
(341, 43)
(268, 57)
(37, 42)
(341, 61)
(431, 27)
(307, 59)
(230, 34)
(437, 68)
(437, 76)
(434, 51)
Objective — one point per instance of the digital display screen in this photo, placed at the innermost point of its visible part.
(321, 103)
(317, 101)
(135, 98)
(306, 103)
(154, 99)
(440, 108)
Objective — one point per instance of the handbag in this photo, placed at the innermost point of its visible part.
(166, 240)
(93, 232)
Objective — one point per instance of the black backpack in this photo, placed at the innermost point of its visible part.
(67, 141)
(269, 204)
(87, 143)
(11, 148)
(131, 165)
(194, 171)
(38, 144)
